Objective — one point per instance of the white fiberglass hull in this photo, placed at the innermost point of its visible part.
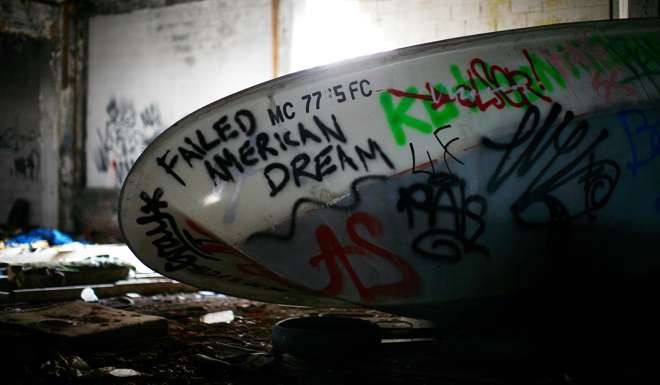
(449, 172)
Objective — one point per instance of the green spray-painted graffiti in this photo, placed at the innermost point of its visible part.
(398, 116)
(613, 62)
(507, 88)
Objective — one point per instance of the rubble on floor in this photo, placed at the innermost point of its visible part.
(240, 352)
(137, 332)
(92, 270)
(62, 273)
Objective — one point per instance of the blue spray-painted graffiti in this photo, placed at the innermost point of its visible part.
(643, 136)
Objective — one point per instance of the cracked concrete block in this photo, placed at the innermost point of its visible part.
(83, 323)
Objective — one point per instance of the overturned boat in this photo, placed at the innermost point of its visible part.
(441, 179)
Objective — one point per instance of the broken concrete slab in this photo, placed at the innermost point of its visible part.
(80, 323)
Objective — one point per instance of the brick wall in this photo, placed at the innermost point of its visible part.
(379, 25)
(426, 20)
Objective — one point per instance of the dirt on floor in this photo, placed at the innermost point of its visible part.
(240, 352)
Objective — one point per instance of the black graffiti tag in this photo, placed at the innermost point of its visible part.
(177, 246)
(453, 221)
(597, 177)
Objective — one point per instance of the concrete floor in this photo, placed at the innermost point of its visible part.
(240, 352)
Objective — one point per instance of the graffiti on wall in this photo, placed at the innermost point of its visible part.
(22, 147)
(15, 139)
(125, 134)
(27, 166)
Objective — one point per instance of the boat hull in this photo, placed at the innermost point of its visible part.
(459, 172)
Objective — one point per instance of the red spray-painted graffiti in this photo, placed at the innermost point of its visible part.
(332, 252)
(246, 266)
(501, 81)
(213, 244)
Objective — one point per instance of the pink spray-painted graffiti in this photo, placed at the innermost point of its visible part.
(613, 62)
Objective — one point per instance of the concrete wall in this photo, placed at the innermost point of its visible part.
(640, 8)
(40, 109)
(149, 68)
(27, 124)
(29, 111)
(328, 31)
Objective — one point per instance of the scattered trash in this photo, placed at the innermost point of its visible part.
(119, 372)
(249, 362)
(255, 361)
(65, 366)
(87, 294)
(212, 361)
(225, 316)
(133, 295)
(207, 293)
(125, 301)
(78, 363)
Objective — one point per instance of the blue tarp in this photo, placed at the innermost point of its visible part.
(53, 236)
